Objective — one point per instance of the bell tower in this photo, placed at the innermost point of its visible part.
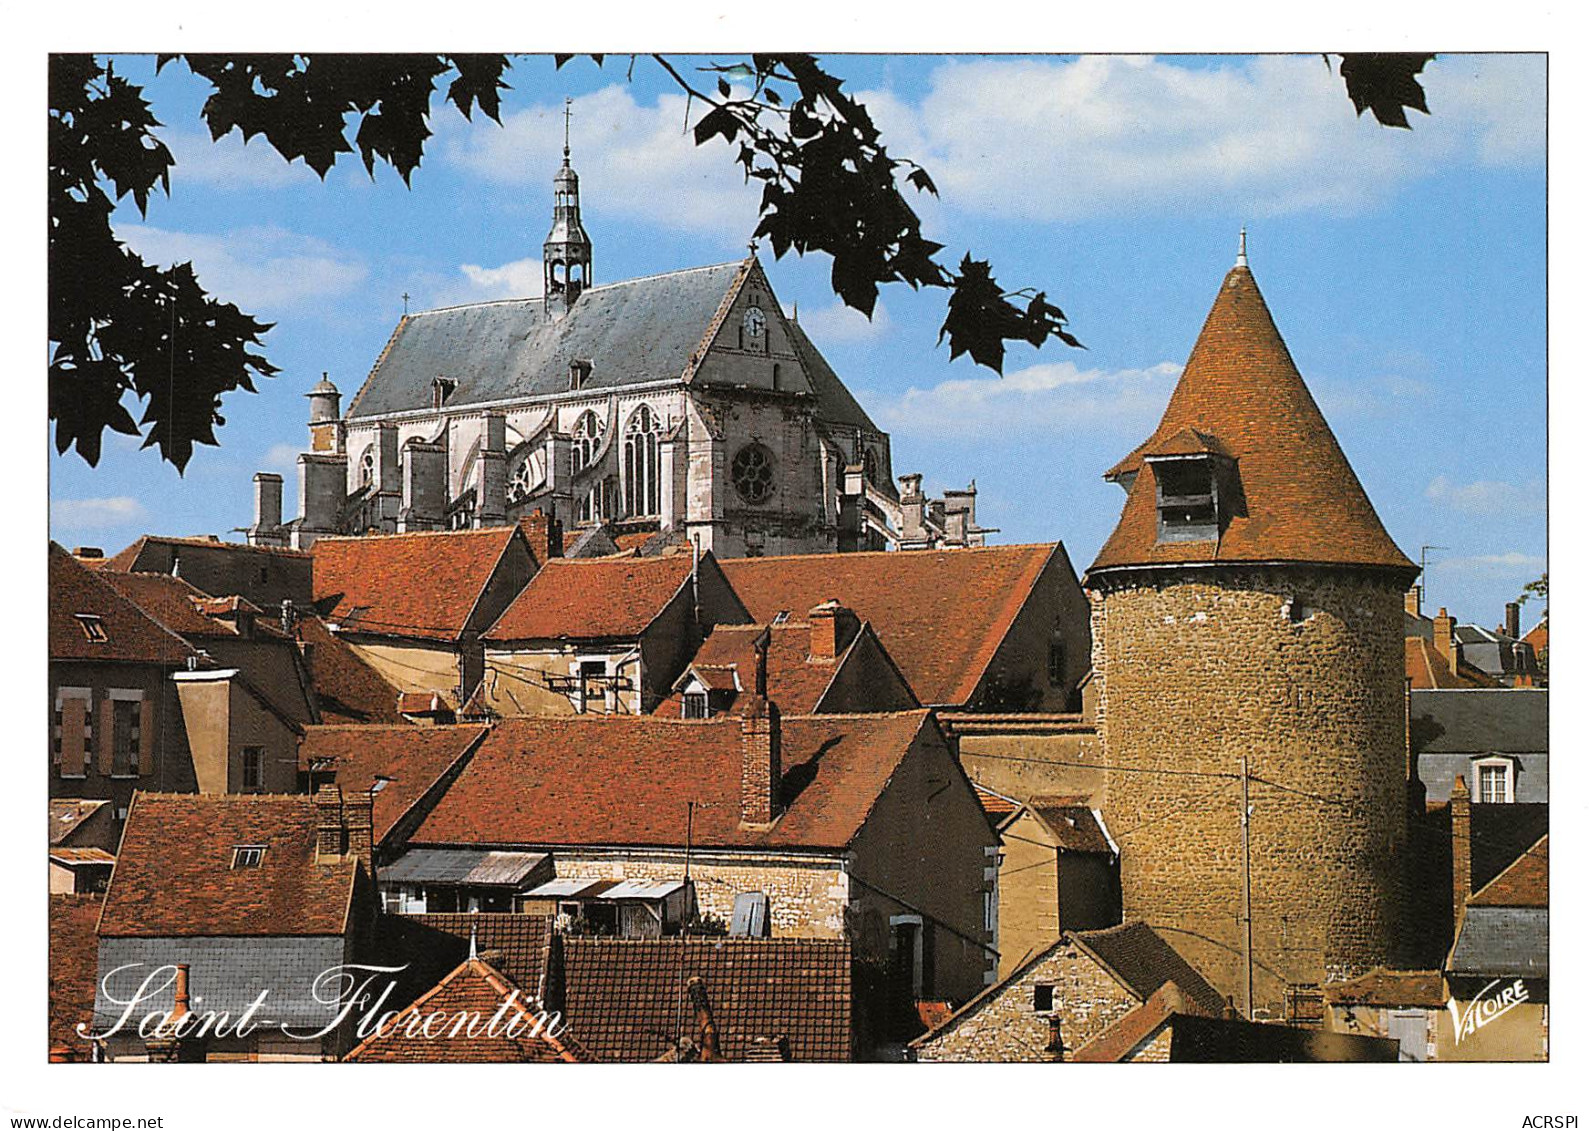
(566, 254)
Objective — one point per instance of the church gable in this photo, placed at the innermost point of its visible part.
(751, 344)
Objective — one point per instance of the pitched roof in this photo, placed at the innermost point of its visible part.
(1075, 825)
(942, 647)
(171, 601)
(1139, 957)
(1526, 883)
(174, 874)
(418, 586)
(625, 997)
(347, 688)
(475, 989)
(633, 331)
(1393, 988)
(593, 597)
(129, 633)
(127, 558)
(627, 780)
(1428, 670)
(1506, 721)
(836, 405)
(996, 805)
(1502, 942)
(409, 759)
(1130, 1032)
(67, 814)
(74, 970)
(1538, 637)
(1299, 501)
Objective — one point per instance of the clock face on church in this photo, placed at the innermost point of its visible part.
(755, 323)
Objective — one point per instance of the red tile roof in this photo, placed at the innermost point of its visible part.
(795, 681)
(411, 759)
(1538, 637)
(626, 780)
(1301, 501)
(1526, 883)
(1075, 826)
(942, 646)
(625, 997)
(347, 688)
(1130, 1032)
(475, 989)
(130, 633)
(1429, 670)
(996, 805)
(128, 557)
(170, 600)
(174, 874)
(74, 972)
(415, 586)
(586, 598)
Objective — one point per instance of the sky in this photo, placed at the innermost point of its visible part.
(1405, 269)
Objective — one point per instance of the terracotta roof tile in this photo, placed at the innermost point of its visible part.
(1428, 669)
(410, 759)
(129, 633)
(625, 997)
(1300, 500)
(1130, 1032)
(347, 688)
(74, 971)
(418, 586)
(1141, 958)
(128, 557)
(592, 597)
(171, 601)
(1075, 826)
(943, 647)
(625, 780)
(794, 681)
(1391, 988)
(1526, 883)
(174, 874)
(474, 989)
(996, 805)
(521, 943)
(67, 814)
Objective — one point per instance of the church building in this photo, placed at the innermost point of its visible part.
(676, 408)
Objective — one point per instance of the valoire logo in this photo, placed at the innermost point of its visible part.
(1487, 1007)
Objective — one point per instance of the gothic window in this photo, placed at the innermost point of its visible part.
(367, 467)
(642, 464)
(587, 438)
(752, 473)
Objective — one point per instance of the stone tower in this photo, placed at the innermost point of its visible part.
(566, 254)
(1248, 605)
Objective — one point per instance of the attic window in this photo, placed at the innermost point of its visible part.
(440, 389)
(695, 705)
(579, 373)
(379, 784)
(782, 617)
(1043, 998)
(1188, 498)
(92, 627)
(248, 855)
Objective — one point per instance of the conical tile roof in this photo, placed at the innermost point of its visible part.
(1240, 394)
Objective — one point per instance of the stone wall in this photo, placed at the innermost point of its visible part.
(1006, 1026)
(1052, 755)
(1300, 670)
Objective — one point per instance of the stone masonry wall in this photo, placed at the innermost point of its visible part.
(1300, 670)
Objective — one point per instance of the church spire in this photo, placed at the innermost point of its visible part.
(566, 254)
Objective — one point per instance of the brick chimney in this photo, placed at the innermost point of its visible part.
(761, 773)
(1445, 639)
(1461, 849)
(544, 534)
(182, 1000)
(1513, 612)
(358, 817)
(833, 627)
(1413, 601)
(328, 821)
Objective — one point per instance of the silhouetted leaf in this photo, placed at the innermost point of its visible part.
(1386, 84)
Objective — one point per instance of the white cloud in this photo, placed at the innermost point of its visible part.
(259, 268)
(1512, 561)
(1269, 135)
(1488, 496)
(840, 323)
(1380, 396)
(116, 510)
(633, 160)
(231, 163)
(282, 457)
(1042, 398)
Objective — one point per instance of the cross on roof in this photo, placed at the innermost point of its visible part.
(568, 113)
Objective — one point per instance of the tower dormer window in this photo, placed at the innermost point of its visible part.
(440, 389)
(578, 373)
(1187, 490)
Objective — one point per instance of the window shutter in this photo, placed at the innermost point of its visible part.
(146, 735)
(74, 747)
(105, 735)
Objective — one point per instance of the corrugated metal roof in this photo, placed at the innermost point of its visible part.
(461, 866)
(634, 331)
(643, 889)
(1503, 942)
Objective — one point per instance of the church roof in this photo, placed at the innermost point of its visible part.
(1241, 394)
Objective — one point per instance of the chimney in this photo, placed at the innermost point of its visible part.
(358, 816)
(328, 821)
(267, 501)
(1522, 662)
(1413, 601)
(833, 627)
(544, 534)
(1445, 638)
(705, 1023)
(183, 1001)
(1513, 609)
(1461, 849)
(761, 773)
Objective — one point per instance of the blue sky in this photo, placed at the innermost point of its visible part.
(1405, 269)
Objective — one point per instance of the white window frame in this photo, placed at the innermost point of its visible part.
(1508, 770)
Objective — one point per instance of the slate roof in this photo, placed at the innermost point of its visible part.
(411, 759)
(474, 989)
(633, 331)
(625, 997)
(943, 647)
(836, 405)
(1526, 883)
(347, 688)
(1139, 957)
(586, 598)
(67, 814)
(1506, 721)
(131, 635)
(174, 874)
(1502, 942)
(1500, 834)
(74, 966)
(626, 780)
(1301, 501)
(415, 586)
(1494, 652)
(1429, 670)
